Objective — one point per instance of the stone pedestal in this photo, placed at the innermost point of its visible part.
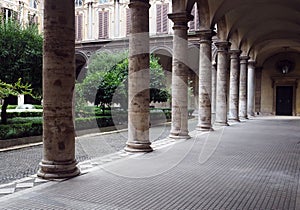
(221, 92)
(234, 85)
(58, 87)
(205, 81)
(251, 88)
(243, 88)
(179, 127)
(138, 79)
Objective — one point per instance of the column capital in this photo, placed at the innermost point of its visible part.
(139, 3)
(222, 45)
(180, 20)
(205, 35)
(234, 54)
(251, 62)
(244, 59)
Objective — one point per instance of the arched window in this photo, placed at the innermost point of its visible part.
(33, 4)
(103, 1)
(78, 3)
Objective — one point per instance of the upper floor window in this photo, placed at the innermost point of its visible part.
(162, 18)
(78, 3)
(103, 1)
(33, 4)
(78, 27)
(103, 24)
(194, 25)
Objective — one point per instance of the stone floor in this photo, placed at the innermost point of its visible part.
(250, 165)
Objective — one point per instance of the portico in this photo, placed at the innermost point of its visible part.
(233, 91)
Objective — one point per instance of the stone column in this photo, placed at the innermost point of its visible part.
(90, 23)
(117, 18)
(213, 90)
(179, 127)
(234, 85)
(205, 81)
(243, 88)
(221, 93)
(138, 78)
(251, 88)
(258, 78)
(58, 83)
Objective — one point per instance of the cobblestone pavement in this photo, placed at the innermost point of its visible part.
(249, 165)
(20, 163)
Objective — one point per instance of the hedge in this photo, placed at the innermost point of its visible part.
(30, 123)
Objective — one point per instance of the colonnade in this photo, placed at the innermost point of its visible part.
(59, 139)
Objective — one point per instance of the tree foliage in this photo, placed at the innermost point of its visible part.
(20, 57)
(106, 80)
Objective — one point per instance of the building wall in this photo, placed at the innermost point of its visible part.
(25, 11)
(117, 19)
(272, 77)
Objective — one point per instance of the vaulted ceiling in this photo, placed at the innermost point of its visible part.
(260, 28)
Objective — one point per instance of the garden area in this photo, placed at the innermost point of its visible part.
(101, 97)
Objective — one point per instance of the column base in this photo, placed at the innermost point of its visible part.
(244, 118)
(221, 124)
(182, 135)
(136, 146)
(58, 170)
(234, 120)
(204, 128)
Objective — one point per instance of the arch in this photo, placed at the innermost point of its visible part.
(81, 60)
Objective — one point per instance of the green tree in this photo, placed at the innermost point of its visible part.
(20, 57)
(106, 80)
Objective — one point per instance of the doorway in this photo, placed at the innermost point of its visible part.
(284, 100)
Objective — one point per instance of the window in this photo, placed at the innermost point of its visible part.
(128, 21)
(194, 24)
(103, 1)
(78, 3)
(162, 18)
(78, 27)
(8, 14)
(103, 24)
(33, 4)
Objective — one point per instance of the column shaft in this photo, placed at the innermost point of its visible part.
(205, 81)
(243, 87)
(213, 90)
(251, 88)
(138, 79)
(179, 127)
(221, 93)
(58, 86)
(234, 85)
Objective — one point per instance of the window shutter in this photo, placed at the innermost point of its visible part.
(165, 18)
(158, 18)
(128, 21)
(79, 27)
(105, 29)
(100, 24)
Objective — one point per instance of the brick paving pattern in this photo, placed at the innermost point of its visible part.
(250, 165)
